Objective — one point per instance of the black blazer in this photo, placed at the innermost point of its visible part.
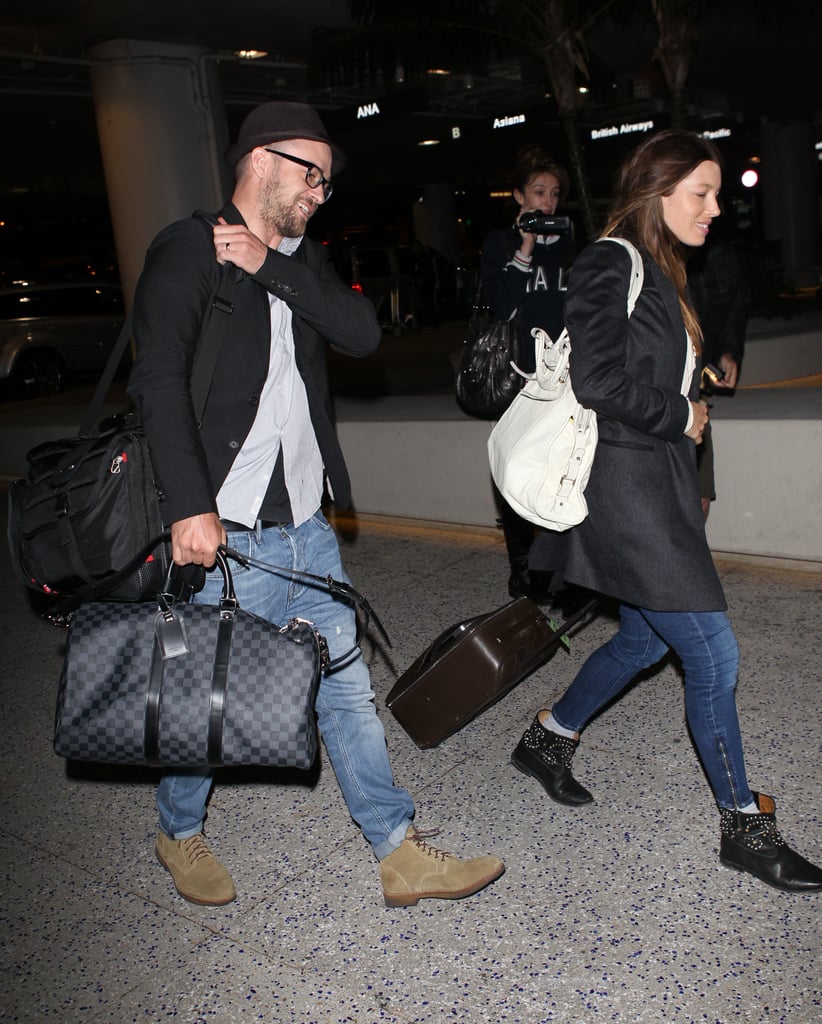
(192, 460)
(643, 541)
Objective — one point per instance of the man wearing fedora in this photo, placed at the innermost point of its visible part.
(252, 472)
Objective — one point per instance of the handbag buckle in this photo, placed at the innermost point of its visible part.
(322, 643)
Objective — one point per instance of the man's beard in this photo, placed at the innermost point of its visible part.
(279, 214)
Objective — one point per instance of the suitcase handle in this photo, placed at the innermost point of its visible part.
(583, 614)
(450, 635)
(453, 633)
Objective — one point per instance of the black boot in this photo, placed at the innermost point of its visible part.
(546, 756)
(523, 582)
(519, 536)
(752, 843)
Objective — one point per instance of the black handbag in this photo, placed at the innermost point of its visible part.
(90, 505)
(159, 683)
(487, 383)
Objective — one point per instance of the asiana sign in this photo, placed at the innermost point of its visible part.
(509, 121)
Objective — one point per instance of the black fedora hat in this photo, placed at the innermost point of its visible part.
(278, 120)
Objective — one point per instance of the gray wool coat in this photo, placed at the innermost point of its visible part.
(643, 541)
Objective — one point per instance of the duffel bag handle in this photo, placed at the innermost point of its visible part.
(170, 592)
(170, 595)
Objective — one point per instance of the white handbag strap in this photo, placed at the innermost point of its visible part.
(637, 271)
(584, 416)
(552, 357)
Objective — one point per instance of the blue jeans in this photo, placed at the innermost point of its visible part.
(348, 722)
(707, 648)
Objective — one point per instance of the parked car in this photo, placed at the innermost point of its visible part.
(51, 332)
(385, 275)
(410, 285)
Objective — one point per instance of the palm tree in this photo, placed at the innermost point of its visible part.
(556, 33)
(677, 24)
(466, 34)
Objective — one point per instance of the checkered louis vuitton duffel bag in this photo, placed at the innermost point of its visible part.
(173, 685)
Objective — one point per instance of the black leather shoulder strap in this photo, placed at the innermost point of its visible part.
(216, 316)
(215, 325)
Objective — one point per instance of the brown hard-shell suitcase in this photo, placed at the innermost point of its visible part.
(471, 665)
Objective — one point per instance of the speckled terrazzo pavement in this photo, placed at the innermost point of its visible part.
(615, 912)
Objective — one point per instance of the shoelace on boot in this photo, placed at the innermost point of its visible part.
(196, 848)
(418, 839)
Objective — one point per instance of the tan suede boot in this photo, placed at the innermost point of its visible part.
(196, 872)
(416, 871)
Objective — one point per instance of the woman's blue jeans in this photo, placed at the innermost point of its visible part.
(707, 648)
(348, 722)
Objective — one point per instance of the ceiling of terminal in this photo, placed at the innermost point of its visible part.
(769, 65)
(740, 65)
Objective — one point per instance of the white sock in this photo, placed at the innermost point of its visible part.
(750, 808)
(553, 725)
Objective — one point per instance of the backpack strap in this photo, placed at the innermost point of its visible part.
(209, 344)
(212, 335)
(89, 424)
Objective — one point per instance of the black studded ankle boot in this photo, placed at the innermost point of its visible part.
(752, 843)
(546, 756)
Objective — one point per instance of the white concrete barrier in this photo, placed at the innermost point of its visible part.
(422, 458)
(782, 349)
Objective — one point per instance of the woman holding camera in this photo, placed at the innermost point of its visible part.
(523, 269)
(643, 541)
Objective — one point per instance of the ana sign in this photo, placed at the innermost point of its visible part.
(367, 110)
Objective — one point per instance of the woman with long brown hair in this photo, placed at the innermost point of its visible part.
(643, 541)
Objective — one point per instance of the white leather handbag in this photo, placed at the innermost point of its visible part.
(542, 448)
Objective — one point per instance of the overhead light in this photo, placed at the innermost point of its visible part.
(428, 142)
(438, 71)
(583, 90)
(250, 54)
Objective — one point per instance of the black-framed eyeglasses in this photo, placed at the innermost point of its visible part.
(314, 177)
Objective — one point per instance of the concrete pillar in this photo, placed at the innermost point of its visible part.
(435, 220)
(789, 196)
(162, 132)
